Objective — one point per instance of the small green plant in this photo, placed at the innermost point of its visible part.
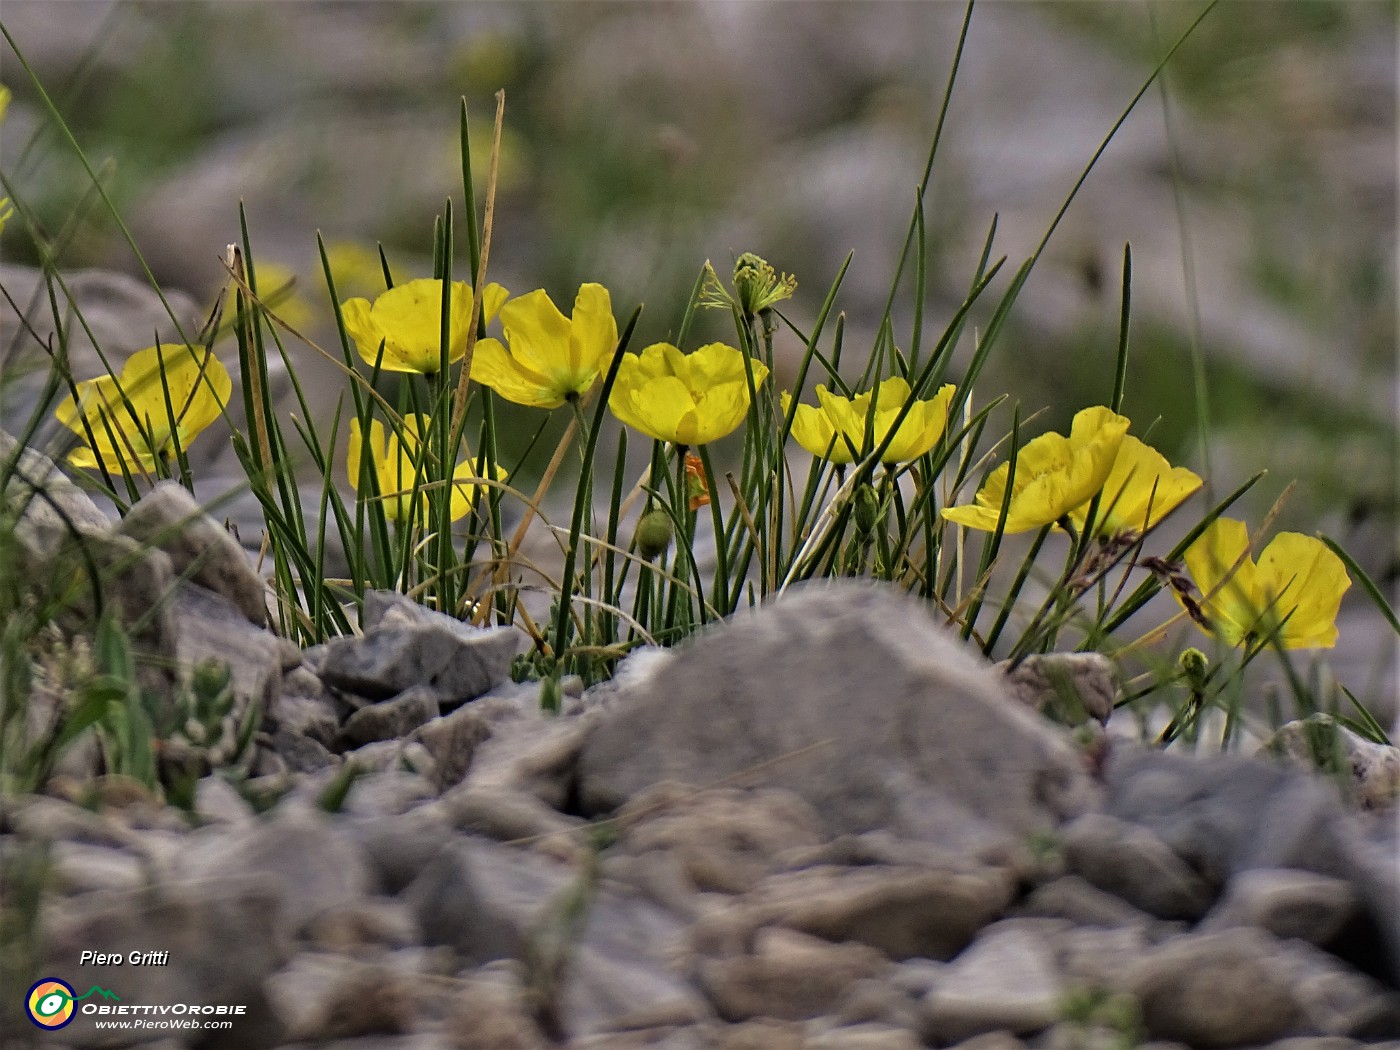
(1102, 1020)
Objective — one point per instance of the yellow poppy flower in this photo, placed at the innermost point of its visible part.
(687, 399)
(407, 320)
(1054, 475)
(836, 429)
(1296, 587)
(1142, 488)
(551, 357)
(394, 457)
(130, 419)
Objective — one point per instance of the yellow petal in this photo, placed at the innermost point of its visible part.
(409, 319)
(985, 512)
(197, 383)
(847, 420)
(625, 400)
(361, 327)
(1054, 475)
(659, 406)
(494, 367)
(717, 363)
(1228, 604)
(719, 411)
(593, 331)
(813, 430)
(164, 390)
(464, 492)
(538, 335)
(1142, 488)
(493, 297)
(689, 399)
(1304, 582)
(922, 427)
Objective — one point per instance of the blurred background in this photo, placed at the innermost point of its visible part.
(1258, 189)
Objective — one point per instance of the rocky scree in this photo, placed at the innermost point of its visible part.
(824, 824)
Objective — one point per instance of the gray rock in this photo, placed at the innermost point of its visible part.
(1006, 980)
(212, 629)
(216, 801)
(877, 1001)
(1071, 897)
(790, 976)
(224, 936)
(416, 1041)
(456, 664)
(50, 504)
(725, 840)
(850, 696)
(388, 793)
(1216, 990)
(452, 740)
(1068, 687)
(122, 312)
(536, 756)
(319, 997)
(396, 756)
(520, 819)
(367, 923)
(390, 719)
(1098, 957)
(1134, 864)
(1336, 1000)
(612, 986)
(312, 866)
(200, 549)
(303, 706)
(301, 754)
(134, 582)
(492, 1011)
(77, 867)
(862, 1037)
(399, 850)
(449, 908)
(992, 1041)
(903, 911)
(489, 902)
(43, 819)
(1225, 814)
(1318, 741)
(1286, 903)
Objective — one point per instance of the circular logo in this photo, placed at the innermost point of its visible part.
(50, 1003)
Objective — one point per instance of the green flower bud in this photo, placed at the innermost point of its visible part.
(868, 511)
(654, 534)
(1193, 665)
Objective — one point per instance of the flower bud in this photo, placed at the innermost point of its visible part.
(868, 511)
(1193, 665)
(654, 534)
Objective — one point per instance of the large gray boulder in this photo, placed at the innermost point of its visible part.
(849, 695)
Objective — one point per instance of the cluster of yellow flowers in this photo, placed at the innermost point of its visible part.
(1291, 596)
(1098, 477)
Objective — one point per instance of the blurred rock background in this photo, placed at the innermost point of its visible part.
(1258, 192)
